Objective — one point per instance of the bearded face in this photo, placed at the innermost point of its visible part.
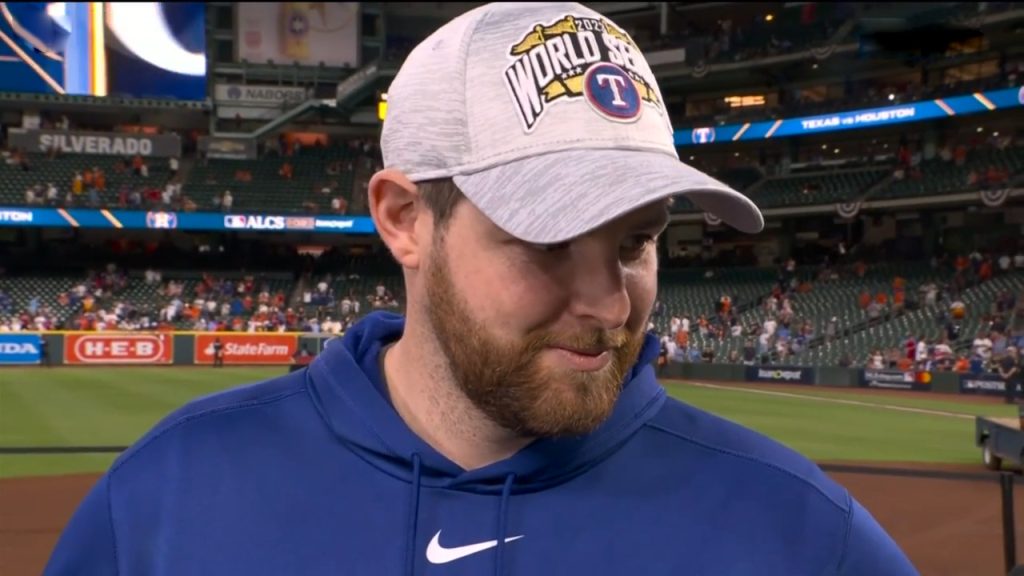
(545, 383)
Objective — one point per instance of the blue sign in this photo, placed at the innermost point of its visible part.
(20, 349)
(165, 220)
(977, 103)
(780, 374)
(987, 384)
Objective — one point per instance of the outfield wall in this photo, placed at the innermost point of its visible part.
(280, 349)
(918, 381)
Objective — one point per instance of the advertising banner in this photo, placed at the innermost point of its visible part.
(978, 103)
(897, 380)
(20, 349)
(256, 102)
(98, 143)
(259, 95)
(780, 374)
(166, 220)
(228, 148)
(119, 348)
(305, 32)
(247, 348)
(986, 384)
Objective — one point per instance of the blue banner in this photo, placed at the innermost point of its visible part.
(20, 349)
(164, 220)
(976, 103)
(780, 374)
(986, 384)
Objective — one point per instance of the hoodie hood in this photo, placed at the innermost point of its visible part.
(346, 385)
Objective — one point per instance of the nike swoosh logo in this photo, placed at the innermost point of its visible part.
(437, 554)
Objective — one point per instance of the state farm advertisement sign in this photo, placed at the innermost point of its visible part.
(248, 348)
(118, 349)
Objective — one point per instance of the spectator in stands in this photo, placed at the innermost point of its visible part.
(52, 194)
(831, 329)
(962, 364)
(764, 342)
(708, 356)
(864, 300)
(286, 170)
(1009, 369)
(943, 355)
(982, 347)
(137, 165)
(1000, 344)
(921, 355)
(227, 201)
(874, 311)
(167, 196)
(339, 205)
(875, 360)
(77, 184)
(749, 352)
(172, 166)
(30, 197)
(88, 179)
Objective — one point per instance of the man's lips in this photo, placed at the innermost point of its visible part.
(583, 351)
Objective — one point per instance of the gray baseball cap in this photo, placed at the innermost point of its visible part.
(548, 118)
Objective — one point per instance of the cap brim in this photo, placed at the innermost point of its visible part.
(559, 196)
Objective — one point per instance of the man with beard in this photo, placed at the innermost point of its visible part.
(510, 423)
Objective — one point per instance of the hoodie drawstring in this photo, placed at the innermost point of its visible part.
(414, 511)
(499, 567)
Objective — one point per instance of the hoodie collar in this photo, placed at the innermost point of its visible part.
(346, 384)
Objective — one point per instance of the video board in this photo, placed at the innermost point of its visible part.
(124, 49)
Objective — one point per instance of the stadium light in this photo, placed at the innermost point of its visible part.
(744, 101)
(769, 17)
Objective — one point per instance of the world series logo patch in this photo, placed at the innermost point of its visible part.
(577, 57)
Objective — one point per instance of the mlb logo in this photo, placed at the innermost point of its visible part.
(234, 221)
(703, 135)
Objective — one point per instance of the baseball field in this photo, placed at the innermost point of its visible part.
(909, 457)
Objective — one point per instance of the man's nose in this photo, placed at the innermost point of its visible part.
(598, 291)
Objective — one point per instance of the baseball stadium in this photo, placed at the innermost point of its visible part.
(185, 210)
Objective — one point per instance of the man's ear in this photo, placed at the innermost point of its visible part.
(395, 208)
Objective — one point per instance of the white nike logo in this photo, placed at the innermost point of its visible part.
(437, 554)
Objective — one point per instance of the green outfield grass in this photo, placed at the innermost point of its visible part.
(102, 407)
(924, 401)
(833, 431)
(96, 407)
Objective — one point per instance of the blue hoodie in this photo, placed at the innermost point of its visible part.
(315, 473)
